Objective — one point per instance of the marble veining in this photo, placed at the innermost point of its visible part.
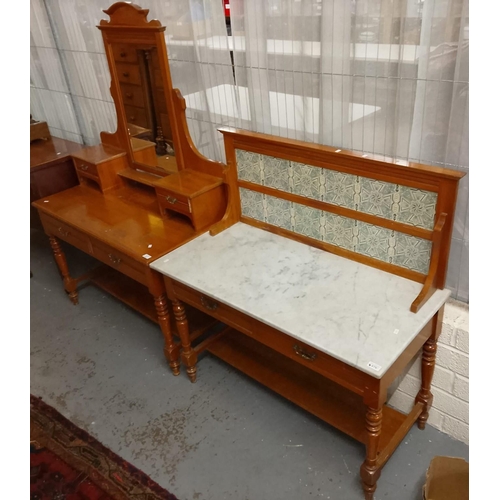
(350, 311)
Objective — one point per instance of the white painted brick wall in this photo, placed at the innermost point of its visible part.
(450, 385)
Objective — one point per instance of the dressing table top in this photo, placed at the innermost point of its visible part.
(352, 312)
(126, 218)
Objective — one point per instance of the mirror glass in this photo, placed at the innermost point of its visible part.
(143, 95)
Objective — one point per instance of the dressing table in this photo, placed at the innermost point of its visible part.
(328, 270)
(143, 191)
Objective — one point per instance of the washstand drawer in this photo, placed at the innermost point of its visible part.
(85, 167)
(294, 349)
(213, 308)
(125, 53)
(119, 261)
(128, 73)
(173, 201)
(64, 232)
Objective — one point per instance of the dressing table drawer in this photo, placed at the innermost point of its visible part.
(85, 167)
(132, 95)
(99, 165)
(173, 201)
(119, 261)
(128, 73)
(64, 232)
(137, 116)
(124, 53)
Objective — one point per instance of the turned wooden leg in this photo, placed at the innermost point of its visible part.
(69, 283)
(424, 394)
(370, 472)
(188, 355)
(170, 349)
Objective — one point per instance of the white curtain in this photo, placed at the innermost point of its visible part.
(385, 77)
(70, 77)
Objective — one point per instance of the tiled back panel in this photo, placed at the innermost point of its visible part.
(391, 201)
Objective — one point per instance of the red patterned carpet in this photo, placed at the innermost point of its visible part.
(66, 463)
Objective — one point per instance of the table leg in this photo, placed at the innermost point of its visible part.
(69, 283)
(188, 355)
(424, 394)
(370, 472)
(170, 349)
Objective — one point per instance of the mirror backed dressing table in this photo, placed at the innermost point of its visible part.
(145, 190)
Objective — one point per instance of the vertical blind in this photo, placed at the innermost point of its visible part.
(384, 77)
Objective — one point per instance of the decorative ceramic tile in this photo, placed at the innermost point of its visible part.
(377, 198)
(413, 253)
(278, 212)
(306, 180)
(373, 241)
(276, 173)
(249, 166)
(307, 221)
(252, 204)
(340, 188)
(417, 207)
(340, 231)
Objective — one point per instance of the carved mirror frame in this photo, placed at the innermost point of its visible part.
(128, 25)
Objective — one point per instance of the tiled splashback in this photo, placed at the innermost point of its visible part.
(390, 201)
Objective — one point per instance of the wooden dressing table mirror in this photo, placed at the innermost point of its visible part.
(145, 190)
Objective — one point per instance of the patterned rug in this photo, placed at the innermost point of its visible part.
(66, 463)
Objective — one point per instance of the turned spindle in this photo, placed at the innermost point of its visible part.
(170, 350)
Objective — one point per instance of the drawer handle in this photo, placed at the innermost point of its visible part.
(63, 231)
(123, 54)
(126, 74)
(208, 304)
(129, 95)
(171, 200)
(84, 167)
(132, 118)
(114, 259)
(309, 356)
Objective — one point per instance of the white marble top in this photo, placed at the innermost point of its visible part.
(353, 312)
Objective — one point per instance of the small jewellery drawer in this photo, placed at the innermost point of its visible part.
(173, 201)
(86, 167)
(132, 95)
(119, 261)
(125, 53)
(66, 233)
(128, 73)
(213, 308)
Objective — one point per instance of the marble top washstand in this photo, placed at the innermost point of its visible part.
(355, 313)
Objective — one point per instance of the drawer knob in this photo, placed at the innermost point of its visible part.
(208, 304)
(63, 231)
(309, 356)
(114, 259)
(126, 74)
(129, 95)
(171, 200)
(84, 167)
(123, 54)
